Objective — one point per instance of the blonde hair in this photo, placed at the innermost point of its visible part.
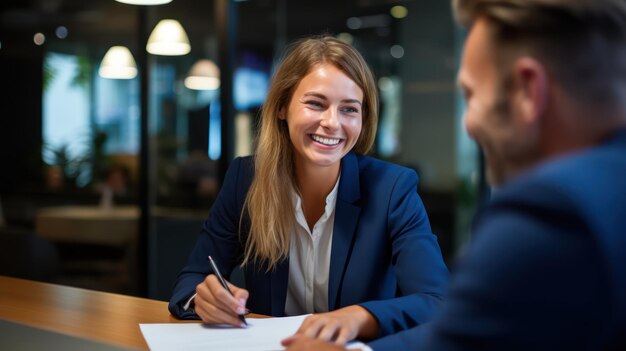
(269, 203)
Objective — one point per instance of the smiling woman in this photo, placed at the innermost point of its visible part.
(324, 120)
(316, 225)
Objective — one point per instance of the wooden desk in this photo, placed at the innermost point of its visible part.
(104, 317)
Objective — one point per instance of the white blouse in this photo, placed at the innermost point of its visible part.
(309, 260)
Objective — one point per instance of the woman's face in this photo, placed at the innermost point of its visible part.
(324, 116)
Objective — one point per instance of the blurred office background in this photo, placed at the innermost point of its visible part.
(113, 144)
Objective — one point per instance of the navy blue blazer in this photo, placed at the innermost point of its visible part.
(383, 256)
(547, 266)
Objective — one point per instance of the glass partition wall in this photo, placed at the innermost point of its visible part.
(115, 141)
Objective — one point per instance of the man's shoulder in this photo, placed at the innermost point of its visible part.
(582, 193)
(590, 177)
(578, 197)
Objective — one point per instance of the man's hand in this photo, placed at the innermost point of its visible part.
(340, 326)
(303, 343)
(215, 305)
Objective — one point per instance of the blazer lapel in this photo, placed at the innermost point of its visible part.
(278, 288)
(347, 212)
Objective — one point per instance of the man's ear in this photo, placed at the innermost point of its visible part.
(530, 80)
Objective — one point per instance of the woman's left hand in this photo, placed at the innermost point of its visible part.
(339, 326)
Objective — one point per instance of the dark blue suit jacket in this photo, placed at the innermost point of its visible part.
(383, 256)
(547, 267)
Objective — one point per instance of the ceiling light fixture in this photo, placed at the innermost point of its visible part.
(168, 39)
(118, 63)
(145, 2)
(399, 12)
(346, 38)
(39, 39)
(61, 32)
(203, 75)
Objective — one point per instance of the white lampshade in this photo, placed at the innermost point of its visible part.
(168, 39)
(118, 63)
(145, 2)
(203, 75)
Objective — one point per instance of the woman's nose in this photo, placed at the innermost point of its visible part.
(330, 119)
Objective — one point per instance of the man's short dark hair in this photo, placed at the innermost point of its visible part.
(581, 42)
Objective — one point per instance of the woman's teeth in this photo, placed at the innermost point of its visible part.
(325, 141)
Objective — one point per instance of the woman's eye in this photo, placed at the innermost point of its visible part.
(351, 110)
(315, 104)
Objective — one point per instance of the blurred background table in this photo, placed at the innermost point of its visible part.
(97, 245)
(117, 225)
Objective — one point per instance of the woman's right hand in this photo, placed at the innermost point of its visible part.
(215, 305)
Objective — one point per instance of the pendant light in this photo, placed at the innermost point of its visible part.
(144, 2)
(203, 75)
(168, 39)
(118, 63)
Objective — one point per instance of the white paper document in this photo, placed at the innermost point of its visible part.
(262, 334)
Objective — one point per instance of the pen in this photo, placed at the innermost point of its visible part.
(223, 282)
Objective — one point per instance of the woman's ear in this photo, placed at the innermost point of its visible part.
(281, 114)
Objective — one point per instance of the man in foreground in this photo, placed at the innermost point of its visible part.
(545, 84)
